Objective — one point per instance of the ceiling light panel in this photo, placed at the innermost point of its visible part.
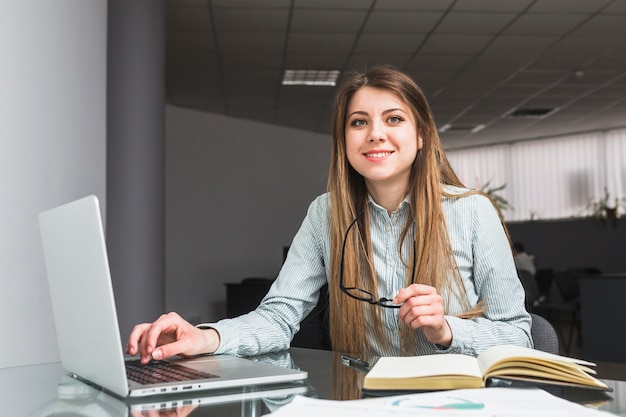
(311, 77)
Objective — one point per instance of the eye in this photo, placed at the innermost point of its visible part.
(395, 120)
(358, 122)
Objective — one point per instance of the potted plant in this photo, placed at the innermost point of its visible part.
(493, 192)
(604, 208)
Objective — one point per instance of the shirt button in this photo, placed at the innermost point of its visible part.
(388, 228)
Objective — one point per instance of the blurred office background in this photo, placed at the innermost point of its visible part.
(176, 116)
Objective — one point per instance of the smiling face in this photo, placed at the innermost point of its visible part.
(381, 140)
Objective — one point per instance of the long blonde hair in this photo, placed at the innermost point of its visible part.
(435, 264)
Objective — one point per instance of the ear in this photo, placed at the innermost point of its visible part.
(420, 142)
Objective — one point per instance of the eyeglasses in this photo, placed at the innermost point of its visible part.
(359, 293)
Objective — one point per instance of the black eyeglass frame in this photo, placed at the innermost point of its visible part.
(368, 297)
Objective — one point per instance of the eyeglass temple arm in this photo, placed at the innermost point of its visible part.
(343, 248)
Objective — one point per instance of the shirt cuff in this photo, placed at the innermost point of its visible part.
(228, 338)
(207, 326)
(461, 338)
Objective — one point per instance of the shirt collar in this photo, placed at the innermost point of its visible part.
(402, 207)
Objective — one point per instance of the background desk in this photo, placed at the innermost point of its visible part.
(603, 317)
(44, 390)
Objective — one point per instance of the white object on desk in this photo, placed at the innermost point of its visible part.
(479, 402)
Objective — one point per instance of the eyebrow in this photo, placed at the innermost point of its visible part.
(361, 112)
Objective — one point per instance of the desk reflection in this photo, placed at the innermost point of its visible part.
(76, 398)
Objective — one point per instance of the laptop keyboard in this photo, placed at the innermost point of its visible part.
(162, 371)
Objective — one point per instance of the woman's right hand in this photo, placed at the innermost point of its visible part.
(170, 335)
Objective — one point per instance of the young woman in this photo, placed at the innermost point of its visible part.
(415, 263)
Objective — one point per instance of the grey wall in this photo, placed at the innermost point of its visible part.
(52, 150)
(236, 193)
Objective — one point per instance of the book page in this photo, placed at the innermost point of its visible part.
(546, 366)
(423, 366)
(503, 353)
(521, 363)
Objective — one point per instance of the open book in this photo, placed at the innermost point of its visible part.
(452, 371)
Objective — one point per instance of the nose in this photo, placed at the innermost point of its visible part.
(377, 133)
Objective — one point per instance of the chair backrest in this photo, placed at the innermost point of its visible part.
(530, 287)
(568, 282)
(543, 334)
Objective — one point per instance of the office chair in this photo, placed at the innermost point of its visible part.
(568, 285)
(533, 295)
(544, 336)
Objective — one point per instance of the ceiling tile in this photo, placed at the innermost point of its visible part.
(593, 78)
(615, 7)
(189, 20)
(317, 94)
(198, 42)
(529, 46)
(367, 60)
(185, 3)
(239, 4)
(333, 4)
(439, 62)
(519, 90)
(577, 6)
(491, 5)
(451, 44)
(306, 60)
(474, 23)
(567, 91)
(239, 82)
(251, 42)
(413, 5)
(388, 43)
(404, 21)
(541, 78)
(190, 60)
(256, 60)
(250, 20)
(604, 25)
(545, 24)
(320, 43)
(209, 87)
(326, 21)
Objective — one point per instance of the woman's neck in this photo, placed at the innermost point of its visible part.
(387, 198)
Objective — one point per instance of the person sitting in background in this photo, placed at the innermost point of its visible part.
(522, 259)
(416, 262)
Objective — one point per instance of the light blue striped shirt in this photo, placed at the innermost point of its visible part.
(482, 253)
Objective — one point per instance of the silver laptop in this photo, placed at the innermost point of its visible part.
(86, 320)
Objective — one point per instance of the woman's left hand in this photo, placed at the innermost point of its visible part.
(422, 308)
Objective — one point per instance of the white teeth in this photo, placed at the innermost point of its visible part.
(378, 154)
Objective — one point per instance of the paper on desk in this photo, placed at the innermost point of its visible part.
(484, 402)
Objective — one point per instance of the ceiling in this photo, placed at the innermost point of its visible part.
(476, 60)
